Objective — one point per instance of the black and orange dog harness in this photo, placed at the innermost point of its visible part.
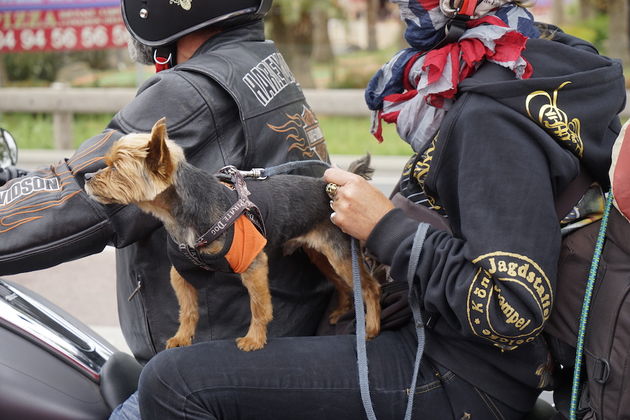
(248, 236)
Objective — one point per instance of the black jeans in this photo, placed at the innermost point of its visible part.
(306, 378)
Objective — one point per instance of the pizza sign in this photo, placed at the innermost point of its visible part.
(60, 25)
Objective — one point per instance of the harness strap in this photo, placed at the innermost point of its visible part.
(242, 205)
(193, 255)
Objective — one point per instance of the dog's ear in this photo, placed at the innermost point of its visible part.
(158, 156)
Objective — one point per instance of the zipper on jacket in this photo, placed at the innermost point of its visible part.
(135, 291)
(148, 337)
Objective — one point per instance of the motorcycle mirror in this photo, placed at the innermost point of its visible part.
(8, 149)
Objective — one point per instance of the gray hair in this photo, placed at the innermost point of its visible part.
(139, 52)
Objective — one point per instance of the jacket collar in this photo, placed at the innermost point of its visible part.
(251, 31)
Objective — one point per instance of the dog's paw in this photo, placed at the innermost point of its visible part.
(178, 342)
(250, 344)
(372, 331)
(341, 310)
(333, 318)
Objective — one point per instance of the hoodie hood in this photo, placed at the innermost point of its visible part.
(574, 94)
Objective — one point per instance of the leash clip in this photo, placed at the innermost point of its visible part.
(257, 173)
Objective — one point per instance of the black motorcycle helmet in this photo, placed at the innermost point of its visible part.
(160, 22)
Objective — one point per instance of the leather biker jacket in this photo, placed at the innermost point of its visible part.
(234, 102)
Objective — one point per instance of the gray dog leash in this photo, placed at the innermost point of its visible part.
(362, 363)
(414, 302)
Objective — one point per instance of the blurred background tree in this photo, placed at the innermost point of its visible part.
(619, 28)
(292, 24)
(605, 23)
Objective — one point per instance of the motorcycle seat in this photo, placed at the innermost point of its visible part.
(119, 378)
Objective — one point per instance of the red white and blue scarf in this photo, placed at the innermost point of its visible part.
(417, 86)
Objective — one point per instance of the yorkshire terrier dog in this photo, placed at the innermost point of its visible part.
(150, 171)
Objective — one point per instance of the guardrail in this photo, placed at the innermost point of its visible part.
(63, 102)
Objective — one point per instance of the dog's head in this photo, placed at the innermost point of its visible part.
(139, 167)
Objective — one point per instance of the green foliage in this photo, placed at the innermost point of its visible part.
(31, 131)
(355, 69)
(96, 59)
(130, 78)
(594, 30)
(291, 10)
(39, 68)
(89, 125)
(33, 67)
(35, 131)
(351, 136)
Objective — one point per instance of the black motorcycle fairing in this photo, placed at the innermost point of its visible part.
(47, 353)
(37, 385)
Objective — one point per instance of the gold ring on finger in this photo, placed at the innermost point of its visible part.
(331, 190)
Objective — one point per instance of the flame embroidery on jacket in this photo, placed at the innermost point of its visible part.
(555, 121)
(23, 202)
(27, 199)
(304, 134)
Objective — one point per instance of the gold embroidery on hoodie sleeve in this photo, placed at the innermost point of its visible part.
(509, 299)
(421, 170)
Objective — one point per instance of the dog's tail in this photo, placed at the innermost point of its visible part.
(362, 167)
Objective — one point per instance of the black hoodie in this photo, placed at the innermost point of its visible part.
(505, 150)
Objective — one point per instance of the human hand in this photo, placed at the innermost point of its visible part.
(357, 205)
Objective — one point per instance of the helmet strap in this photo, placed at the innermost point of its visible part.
(164, 57)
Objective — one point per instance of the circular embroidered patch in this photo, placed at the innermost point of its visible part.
(509, 299)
